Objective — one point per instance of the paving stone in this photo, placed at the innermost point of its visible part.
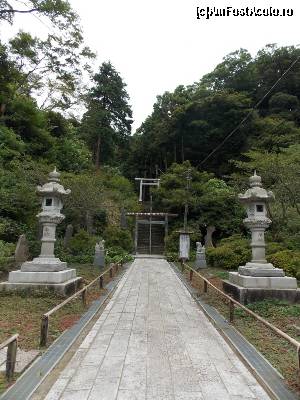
(75, 395)
(57, 389)
(152, 342)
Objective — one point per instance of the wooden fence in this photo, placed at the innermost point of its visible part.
(232, 303)
(11, 355)
(82, 292)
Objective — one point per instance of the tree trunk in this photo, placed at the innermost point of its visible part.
(97, 153)
(182, 150)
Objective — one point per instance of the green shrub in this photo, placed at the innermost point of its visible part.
(230, 254)
(116, 237)
(172, 256)
(6, 255)
(82, 243)
(117, 254)
(81, 248)
(288, 260)
(273, 247)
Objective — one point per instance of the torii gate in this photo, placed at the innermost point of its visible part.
(147, 182)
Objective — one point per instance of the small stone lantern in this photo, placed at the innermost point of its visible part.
(259, 279)
(46, 271)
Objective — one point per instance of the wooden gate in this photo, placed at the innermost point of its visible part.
(151, 229)
(150, 236)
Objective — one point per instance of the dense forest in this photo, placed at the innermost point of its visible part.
(45, 83)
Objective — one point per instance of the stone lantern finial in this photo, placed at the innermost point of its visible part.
(54, 176)
(255, 180)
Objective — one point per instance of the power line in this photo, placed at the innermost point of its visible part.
(250, 112)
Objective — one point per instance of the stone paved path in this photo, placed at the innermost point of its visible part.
(153, 343)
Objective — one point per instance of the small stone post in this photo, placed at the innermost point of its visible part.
(123, 220)
(22, 250)
(184, 246)
(99, 258)
(200, 256)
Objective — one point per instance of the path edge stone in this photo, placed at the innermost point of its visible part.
(84, 320)
(267, 386)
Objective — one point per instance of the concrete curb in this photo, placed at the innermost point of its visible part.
(256, 363)
(28, 383)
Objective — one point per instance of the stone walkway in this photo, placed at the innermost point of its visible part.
(152, 342)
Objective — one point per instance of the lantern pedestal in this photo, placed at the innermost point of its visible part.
(40, 283)
(248, 290)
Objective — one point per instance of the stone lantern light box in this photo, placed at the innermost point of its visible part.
(46, 270)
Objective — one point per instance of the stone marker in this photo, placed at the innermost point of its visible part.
(208, 237)
(184, 245)
(68, 235)
(22, 250)
(123, 220)
(259, 279)
(46, 271)
(99, 258)
(200, 256)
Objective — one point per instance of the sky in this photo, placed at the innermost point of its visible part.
(157, 45)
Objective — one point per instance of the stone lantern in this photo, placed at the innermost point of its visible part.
(47, 270)
(259, 279)
(51, 194)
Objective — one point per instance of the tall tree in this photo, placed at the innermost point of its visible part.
(107, 122)
(51, 68)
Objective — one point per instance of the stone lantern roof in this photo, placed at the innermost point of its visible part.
(53, 187)
(256, 191)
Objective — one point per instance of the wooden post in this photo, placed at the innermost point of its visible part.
(11, 359)
(101, 282)
(231, 311)
(205, 286)
(166, 226)
(191, 274)
(83, 296)
(111, 272)
(182, 266)
(298, 357)
(136, 234)
(117, 268)
(44, 330)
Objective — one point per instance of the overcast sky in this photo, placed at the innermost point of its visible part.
(157, 45)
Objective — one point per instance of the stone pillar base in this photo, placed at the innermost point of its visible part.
(41, 277)
(65, 288)
(246, 295)
(44, 264)
(200, 262)
(263, 282)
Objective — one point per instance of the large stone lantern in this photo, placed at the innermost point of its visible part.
(52, 194)
(259, 279)
(47, 270)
